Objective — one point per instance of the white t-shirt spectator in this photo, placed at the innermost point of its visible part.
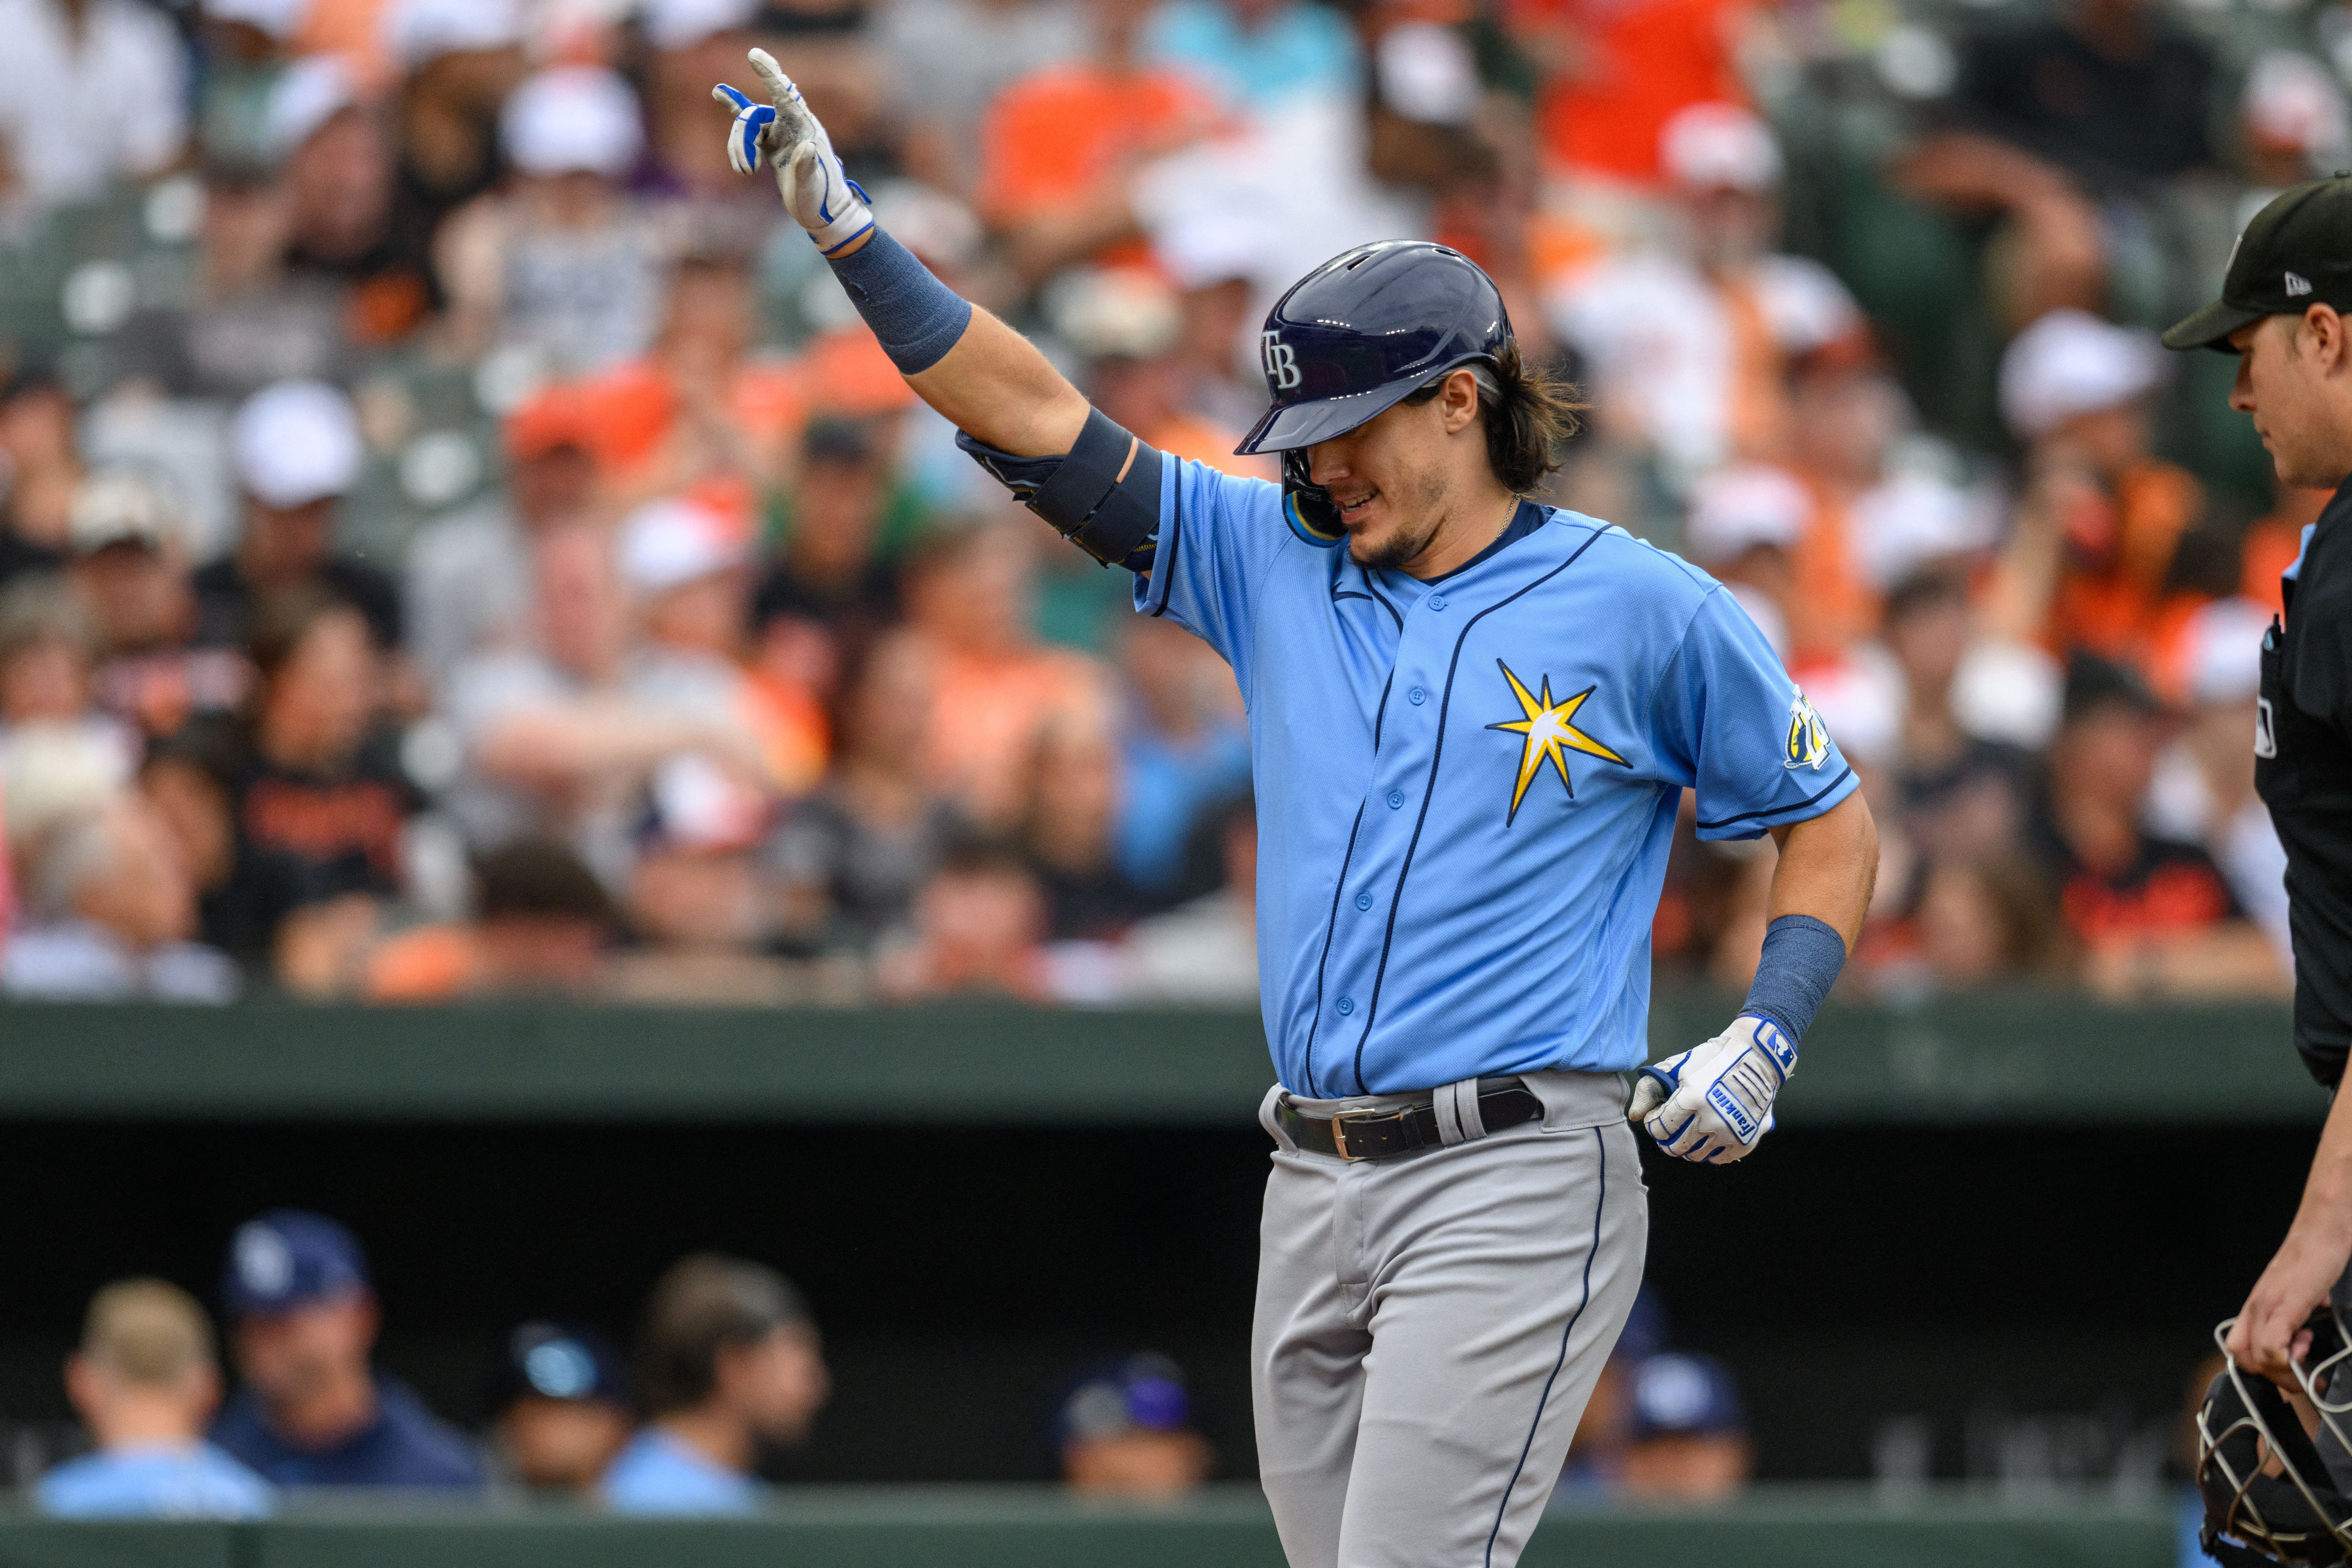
(81, 108)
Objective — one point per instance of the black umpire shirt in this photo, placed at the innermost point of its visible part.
(2303, 770)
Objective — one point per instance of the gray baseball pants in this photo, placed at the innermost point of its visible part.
(1429, 1327)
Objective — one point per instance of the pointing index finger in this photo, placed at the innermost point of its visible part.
(781, 90)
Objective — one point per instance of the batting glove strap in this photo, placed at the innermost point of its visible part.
(1711, 1104)
(782, 133)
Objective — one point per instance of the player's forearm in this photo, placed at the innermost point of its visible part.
(996, 387)
(983, 377)
(2323, 1219)
(1827, 867)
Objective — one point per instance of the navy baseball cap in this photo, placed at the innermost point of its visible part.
(289, 1258)
(558, 1360)
(2294, 253)
(1680, 1394)
(1141, 1394)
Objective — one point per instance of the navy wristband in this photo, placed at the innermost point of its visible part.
(916, 317)
(1801, 962)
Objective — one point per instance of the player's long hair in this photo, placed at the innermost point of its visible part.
(1527, 416)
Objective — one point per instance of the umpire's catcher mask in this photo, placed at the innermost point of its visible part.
(1356, 336)
(2269, 1497)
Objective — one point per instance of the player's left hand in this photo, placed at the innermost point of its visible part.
(817, 190)
(1711, 1103)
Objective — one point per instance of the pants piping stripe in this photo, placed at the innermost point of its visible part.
(1504, 1506)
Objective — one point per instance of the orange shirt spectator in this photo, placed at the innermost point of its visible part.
(1619, 70)
(1065, 138)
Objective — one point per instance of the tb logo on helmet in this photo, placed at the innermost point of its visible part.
(1281, 362)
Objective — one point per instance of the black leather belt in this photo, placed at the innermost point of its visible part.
(1384, 1134)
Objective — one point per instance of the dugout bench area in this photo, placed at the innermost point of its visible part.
(1996, 1227)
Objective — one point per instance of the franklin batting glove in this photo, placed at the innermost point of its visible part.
(1711, 1103)
(782, 133)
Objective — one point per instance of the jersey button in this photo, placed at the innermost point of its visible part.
(1416, 697)
(1396, 798)
(1437, 601)
(1347, 1005)
(1363, 900)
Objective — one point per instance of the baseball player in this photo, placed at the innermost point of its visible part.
(1472, 719)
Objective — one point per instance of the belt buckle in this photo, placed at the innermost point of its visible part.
(1340, 1132)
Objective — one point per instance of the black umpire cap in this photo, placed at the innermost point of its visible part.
(2297, 252)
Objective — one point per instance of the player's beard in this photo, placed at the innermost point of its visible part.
(1410, 540)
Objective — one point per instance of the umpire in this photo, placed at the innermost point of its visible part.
(2285, 311)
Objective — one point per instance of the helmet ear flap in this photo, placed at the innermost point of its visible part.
(1307, 505)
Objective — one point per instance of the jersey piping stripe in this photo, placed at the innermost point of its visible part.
(1330, 926)
(1175, 543)
(1843, 775)
(1527, 1447)
(1429, 788)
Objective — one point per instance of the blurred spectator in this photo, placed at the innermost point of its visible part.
(2048, 119)
(242, 50)
(731, 1362)
(2152, 915)
(1126, 1430)
(319, 796)
(560, 265)
(40, 468)
(2291, 117)
(561, 1405)
(1692, 343)
(1259, 54)
(995, 687)
(468, 580)
(1070, 834)
(130, 570)
(1615, 75)
(458, 60)
(688, 564)
(694, 43)
(144, 1383)
(71, 68)
(977, 929)
(1986, 921)
(541, 926)
(337, 174)
(312, 1411)
(1961, 796)
(2088, 565)
(249, 323)
(1060, 146)
(849, 861)
(1204, 953)
(560, 736)
(698, 410)
(1182, 747)
(946, 60)
(57, 754)
(111, 914)
(829, 592)
(1689, 1437)
(2204, 785)
(702, 918)
(298, 452)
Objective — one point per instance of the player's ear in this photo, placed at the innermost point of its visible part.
(1458, 403)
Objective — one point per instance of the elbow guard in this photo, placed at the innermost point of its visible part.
(1103, 495)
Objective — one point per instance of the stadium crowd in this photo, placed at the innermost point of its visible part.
(726, 1377)
(455, 538)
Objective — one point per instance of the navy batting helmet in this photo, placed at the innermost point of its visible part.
(1358, 335)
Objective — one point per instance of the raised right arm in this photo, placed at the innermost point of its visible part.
(986, 379)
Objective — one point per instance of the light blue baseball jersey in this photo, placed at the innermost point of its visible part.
(1466, 789)
(154, 1480)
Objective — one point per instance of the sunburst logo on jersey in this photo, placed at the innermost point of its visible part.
(1548, 735)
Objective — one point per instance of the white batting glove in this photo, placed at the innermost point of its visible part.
(1711, 1103)
(782, 133)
